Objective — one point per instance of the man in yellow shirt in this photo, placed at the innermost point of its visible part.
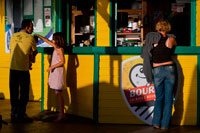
(22, 45)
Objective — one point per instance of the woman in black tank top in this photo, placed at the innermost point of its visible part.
(161, 53)
(163, 76)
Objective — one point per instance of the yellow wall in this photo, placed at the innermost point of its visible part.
(103, 23)
(35, 92)
(4, 91)
(186, 106)
(113, 109)
(78, 94)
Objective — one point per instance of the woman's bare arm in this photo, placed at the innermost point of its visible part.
(171, 42)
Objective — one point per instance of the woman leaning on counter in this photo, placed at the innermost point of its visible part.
(159, 68)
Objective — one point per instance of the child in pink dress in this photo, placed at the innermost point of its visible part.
(56, 76)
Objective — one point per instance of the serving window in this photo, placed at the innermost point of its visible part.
(82, 23)
(130, 22)
(135, 18)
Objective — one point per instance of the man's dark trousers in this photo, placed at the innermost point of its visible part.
(19, 92)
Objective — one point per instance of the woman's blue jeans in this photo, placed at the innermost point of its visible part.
(164, 81)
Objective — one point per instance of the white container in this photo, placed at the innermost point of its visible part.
(81, 44)
(134, 26)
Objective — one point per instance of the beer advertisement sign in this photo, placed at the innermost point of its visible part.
(137, 93)
(138, 96)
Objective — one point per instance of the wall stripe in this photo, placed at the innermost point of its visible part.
(42, 82)
(96, 71)
(193, 24)
(96, 89)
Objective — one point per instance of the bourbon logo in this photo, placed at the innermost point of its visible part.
(139, 97)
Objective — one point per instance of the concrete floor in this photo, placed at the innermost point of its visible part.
(74, 124)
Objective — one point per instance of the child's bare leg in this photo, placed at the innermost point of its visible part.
(61, 103)
(61, 114)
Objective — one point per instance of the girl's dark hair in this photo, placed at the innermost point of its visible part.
(26, 23)
(59, 39)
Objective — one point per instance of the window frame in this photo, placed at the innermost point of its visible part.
(192, 24)
(69, 22)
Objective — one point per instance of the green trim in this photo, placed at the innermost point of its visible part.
(55, 15)
(33, 9)
(96, 89)
(193, 23)
(184, 50)
(180, 50)
(42, 83)
(95, 21)
(198, 90)
(28, 16)
(58, 15)
(52, 17)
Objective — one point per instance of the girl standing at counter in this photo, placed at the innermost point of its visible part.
(56, 76)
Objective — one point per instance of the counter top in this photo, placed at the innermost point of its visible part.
(180, 50)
